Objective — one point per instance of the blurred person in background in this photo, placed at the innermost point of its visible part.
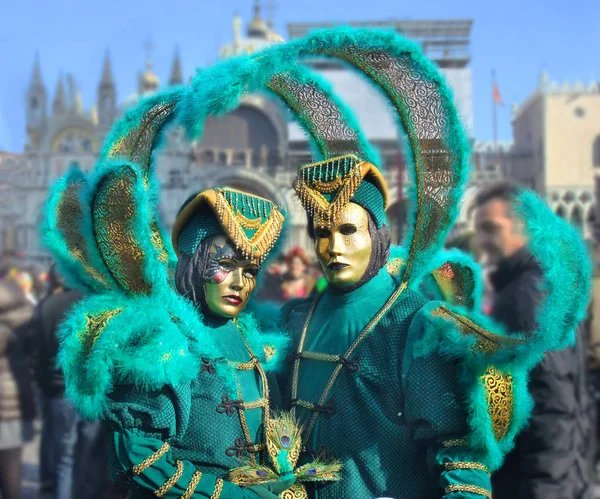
(297, 281)
(17, 401)
(553, 455)
(72, 456)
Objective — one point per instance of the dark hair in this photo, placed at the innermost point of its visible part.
(505, 191)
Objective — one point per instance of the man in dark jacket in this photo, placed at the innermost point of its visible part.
(553, 456)
(59, 430)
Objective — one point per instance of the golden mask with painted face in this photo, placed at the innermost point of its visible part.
(343, 247)
(229, 279)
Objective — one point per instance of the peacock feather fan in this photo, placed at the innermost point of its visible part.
(283, 438)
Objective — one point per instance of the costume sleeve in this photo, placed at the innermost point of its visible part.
(144, 426)
(437, 416)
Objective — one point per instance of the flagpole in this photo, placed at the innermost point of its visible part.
(495, 123)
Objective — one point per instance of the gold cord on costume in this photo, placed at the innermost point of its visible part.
(171, 481)
(218, 489)
(466, 465)
(149, 461)
(468, 488)
(191, 488)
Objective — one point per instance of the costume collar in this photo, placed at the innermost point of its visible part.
(377, 284)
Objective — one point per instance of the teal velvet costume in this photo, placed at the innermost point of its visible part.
(392, 419)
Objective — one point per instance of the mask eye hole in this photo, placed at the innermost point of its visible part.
(348, 229)
(322, 232)
(227, 265)
(251, 272)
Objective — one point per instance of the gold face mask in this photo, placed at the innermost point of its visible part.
(229, 279)
(344, 248)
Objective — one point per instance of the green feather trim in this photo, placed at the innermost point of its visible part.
(108, 340)
(86, 272)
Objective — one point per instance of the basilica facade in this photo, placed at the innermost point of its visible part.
(256, 148)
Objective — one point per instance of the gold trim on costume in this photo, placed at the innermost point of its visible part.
(325, 357)
(258, 246)
(171, 481)
(487, 341)
(455, 442)
(499, 394)
(270, 352)
(149, 461)
(218, 489)
(310, 190)
(468, 488)
(191, 488)
(466, 465)
(94, 326)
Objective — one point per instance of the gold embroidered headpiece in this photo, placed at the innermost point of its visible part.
(326, 187)
(252, 223)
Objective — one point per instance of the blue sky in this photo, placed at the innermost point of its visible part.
(518, 39)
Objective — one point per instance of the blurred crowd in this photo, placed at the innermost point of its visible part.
(555, 456)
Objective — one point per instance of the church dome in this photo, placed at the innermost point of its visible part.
(257, 27)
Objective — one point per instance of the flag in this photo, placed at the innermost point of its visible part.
(497, 98)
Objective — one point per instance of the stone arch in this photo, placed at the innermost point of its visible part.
(71, 122)
(251, 128)
(560, 211)
(577, 218)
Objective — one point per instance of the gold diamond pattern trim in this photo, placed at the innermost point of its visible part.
(191, 488)
(500, 399)
(218, 488)
(171, 481)
(149, 461)
(468, 488)
(466, 465)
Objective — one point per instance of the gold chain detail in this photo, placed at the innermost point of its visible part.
(338, 369)
(218, 489)
(191, 488)
(455, 442)
(149, 461)
(247, 223)
(468, 488)
(328, 187)
(466, 465)
(171, 481)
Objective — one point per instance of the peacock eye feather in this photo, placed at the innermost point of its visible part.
(285, 441)
(311, 471)
(261, 473)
